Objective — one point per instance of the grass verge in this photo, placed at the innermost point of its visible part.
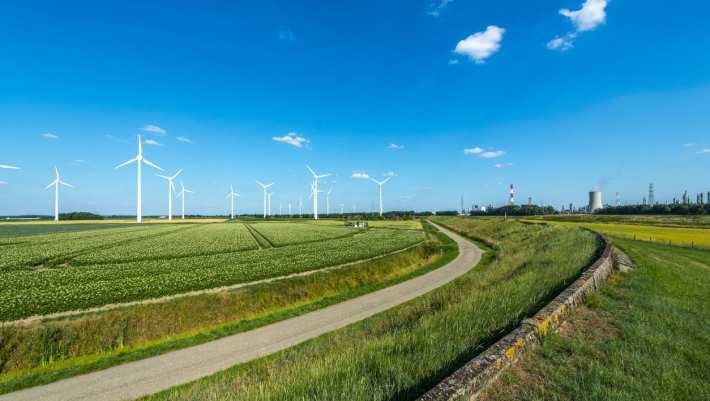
(57, 349)
(644, 336)
(399, 354)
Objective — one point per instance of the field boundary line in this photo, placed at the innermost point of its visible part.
(469, 381)
(167, 298)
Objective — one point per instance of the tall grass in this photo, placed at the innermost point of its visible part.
(401, 353)
(645, 336)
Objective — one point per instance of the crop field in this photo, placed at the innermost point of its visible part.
(64, 271)
(282, 234)
(399, 354)
(692, 221)
(667, 234)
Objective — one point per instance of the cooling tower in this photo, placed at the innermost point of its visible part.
(595, 201)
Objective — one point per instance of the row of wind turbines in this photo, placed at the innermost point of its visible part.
(139, 160)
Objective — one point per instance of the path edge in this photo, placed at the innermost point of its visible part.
(469, 381)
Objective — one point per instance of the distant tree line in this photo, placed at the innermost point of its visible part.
(80, 216)
(676, 208)
(516, 210)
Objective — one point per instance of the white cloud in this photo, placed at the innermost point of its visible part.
(3, 182)
(154, 129)
(394, 146)
(437, 7)
(688, 145)
(490, 154)
(454, 61)
(706, 150)
(184, 139)
(503, 165)
(50, 135)
(292, 139)
(481, 45)
(562, 43)
(152, 142)
(360, 175)
(486, 154)
(8, 167)
(591, 15)
(472, 151)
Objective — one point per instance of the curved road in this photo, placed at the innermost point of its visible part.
(152, 375)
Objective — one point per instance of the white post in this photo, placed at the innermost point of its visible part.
(315, 199)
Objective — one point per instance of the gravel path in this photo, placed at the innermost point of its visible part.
(152, 375)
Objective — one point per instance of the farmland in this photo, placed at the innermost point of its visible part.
(672, 230)
(404, 351)
(77, 269)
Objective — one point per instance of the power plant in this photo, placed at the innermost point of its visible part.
(595, 201)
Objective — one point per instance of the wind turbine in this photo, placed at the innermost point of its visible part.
(270, 194)
(381, 183)
(327, 202)
(264, 188)
(314, 190)
(57, 181)
(139, 163)
(232, 195)
(171, 189)
(182, 193)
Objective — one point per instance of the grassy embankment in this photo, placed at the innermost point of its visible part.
(644, 336)
(54, 349)
(399, 354)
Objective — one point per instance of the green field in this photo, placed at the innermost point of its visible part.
(47, 270)
(399, 354)
(644, 336)
(689, 231)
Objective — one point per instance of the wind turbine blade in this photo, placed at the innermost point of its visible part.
(172, 185)
(148, 162)
(176, 174)
(386, 180)
(66, 184)
(56, 172)
(228, 195)
(313, 173)
(270, 185)
(260, 184)
(323, 176)
(231, 188)
(163, 177)
(50, 185)
(126, 163)
(140, 145)
(9, 167)
(190, 192)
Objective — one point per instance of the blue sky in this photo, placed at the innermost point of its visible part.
(557, 97)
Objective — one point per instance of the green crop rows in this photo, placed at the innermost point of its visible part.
(281, 234)
(50, 273)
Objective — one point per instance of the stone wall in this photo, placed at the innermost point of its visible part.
(470, 380)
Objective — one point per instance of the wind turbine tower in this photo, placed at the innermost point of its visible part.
(182, 193)
(327, 201)
(511, 195)
(57, 182)
(139, 159)
(232, 195)
(264, 187)
(269, 207)
(171, 189)
(381, 184)
(314, 190)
